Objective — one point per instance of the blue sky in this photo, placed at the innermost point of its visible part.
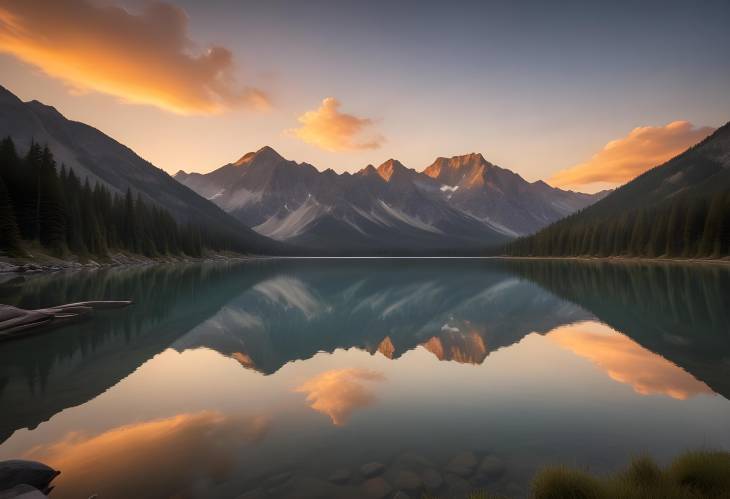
(535, 86)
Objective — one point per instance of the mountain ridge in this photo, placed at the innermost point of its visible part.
(386, 208)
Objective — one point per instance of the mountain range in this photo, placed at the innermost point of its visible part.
(457, 204)
(99, 158)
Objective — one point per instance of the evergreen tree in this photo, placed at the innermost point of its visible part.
(9, 235)
(51, 216)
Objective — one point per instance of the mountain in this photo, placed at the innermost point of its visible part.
(502, 197)
(678, 209)
(97, 157)
(456, 205)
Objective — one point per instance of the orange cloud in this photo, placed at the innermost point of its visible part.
(159, 458)
(337, 393)
(143, 58)
(627, 362)
(624, 159)
(331, 130)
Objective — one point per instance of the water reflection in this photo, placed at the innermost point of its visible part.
(339, 392)
(168, 457)
(343, 358)
(269, 314)
(626, 361)
(679, 312)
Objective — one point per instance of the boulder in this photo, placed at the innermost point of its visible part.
(22, 491)
(17, 472)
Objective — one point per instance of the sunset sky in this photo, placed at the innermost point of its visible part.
(583, 94)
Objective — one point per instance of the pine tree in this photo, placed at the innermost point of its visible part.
(694, 226)
(51, 215)
(9, 235)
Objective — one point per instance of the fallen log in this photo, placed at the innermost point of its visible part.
(15, 322)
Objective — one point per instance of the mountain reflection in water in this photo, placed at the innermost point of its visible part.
(255, 368)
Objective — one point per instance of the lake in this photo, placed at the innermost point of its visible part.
(282, 378)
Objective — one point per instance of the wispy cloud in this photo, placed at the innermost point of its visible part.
(329, 129)
(627, 362)
(144, 57)
(624, 159)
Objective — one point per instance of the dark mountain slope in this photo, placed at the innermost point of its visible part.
(678, 209)
(98, 157)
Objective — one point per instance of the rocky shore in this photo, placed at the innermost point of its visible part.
(52, 264)
(409, 475)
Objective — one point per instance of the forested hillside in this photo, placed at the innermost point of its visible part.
(678, 209)
(44, 204)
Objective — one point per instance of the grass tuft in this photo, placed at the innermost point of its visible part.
(560, 482)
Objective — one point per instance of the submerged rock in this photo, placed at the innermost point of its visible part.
(254, 494)
(458, 487)
(491, 467)
(462, 464)
(408, 481)
(377, 487)
(432, 479)
(370, 470)
(340, 476)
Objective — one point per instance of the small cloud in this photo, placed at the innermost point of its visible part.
(624, 159)
(332, 130)
(144, 58)
(339, 392)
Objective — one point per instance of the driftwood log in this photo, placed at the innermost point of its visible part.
(16, 322)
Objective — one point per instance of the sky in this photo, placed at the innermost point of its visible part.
(583, 94)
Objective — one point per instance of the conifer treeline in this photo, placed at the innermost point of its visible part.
(683, 227)
(54, 208)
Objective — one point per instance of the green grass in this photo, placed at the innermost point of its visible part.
(692, 475)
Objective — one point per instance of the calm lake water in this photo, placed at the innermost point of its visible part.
(224, 379)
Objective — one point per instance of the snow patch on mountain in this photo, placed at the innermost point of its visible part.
(239, 199)
(407, 219)
(294, 222)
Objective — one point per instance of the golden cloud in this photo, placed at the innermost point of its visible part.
(627, 362)
(159, 458)
(624, 159)
(331, 130)
(339, 392)
(142, 58)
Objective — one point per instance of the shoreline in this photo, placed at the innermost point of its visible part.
(49, 264)
(623, 259)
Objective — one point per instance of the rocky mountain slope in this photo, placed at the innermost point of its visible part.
(456, 205)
